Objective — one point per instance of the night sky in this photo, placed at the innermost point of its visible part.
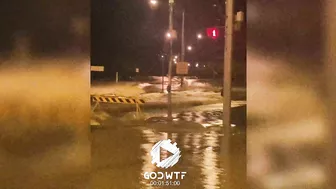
(291, 30)
(46, 24)
(126, 34)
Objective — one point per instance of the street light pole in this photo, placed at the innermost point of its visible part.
(162, 72)
(171, 9)
(182, 44)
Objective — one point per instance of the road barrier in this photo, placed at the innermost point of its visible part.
(114, 99)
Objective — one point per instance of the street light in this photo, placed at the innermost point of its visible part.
(197, 65)
(199, 36)
(189, 48)
(153, 2)
(168, 35)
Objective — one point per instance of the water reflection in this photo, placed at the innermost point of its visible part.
(211, 115)
(200, 156)
(210, 164)
(186, 141)
(147, 165)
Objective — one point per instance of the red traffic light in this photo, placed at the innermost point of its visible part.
(213, 33)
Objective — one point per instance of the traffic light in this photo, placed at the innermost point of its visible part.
(213, 33)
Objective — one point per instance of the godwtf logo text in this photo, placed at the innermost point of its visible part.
(168, 162)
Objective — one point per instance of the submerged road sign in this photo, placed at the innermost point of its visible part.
(97, 68)
(182, 68)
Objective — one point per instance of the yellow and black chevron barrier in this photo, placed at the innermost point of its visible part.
(116, 99)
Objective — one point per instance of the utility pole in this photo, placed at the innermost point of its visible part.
(162, 73)
(330, 70)
(227, 79)
(182, 44)
(171, 9)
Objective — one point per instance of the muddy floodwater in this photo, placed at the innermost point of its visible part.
(121, 157)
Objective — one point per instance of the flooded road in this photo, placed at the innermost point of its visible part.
(199, 159)
(121, 156)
